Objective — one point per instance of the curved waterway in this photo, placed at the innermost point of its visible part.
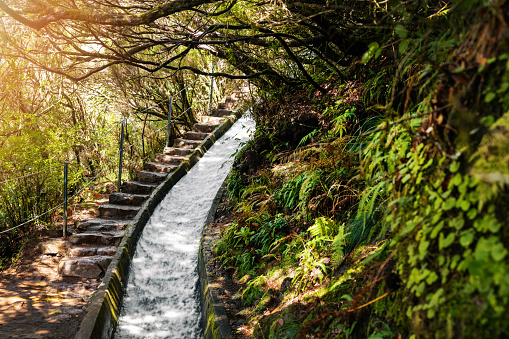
(162, 296)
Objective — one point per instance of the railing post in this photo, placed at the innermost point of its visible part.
(170, 107)
(121, 152)
(64, 226)
(211, 91)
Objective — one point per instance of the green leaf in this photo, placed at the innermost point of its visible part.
(423, 249)
(347, 297)
(488, 120)
(449, 204)
(455, 166)
(444, 242)
(370, 53)
(432, 277)
(466, 238)
(498, 252)
(464, 205)
(406, 178)
(459, 69)
(437, 229)
(403, 46)
(489, 97)
(491, 60)
(457, 179)
(401, 31)
(472, 213)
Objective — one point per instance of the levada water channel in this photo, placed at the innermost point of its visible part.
(162, 296)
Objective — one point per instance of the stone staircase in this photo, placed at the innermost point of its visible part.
(89, 251)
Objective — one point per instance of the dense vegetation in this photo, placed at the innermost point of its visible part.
(372, 201)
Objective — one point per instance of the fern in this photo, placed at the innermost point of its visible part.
(338, 246)
(322, 228)
(307, 187)
(308, 137)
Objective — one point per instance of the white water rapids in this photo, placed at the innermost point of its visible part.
(161, 299)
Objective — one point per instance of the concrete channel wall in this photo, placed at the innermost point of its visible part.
(215, 322)
(103, 311)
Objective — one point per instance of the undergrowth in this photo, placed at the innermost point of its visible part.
(388, 217)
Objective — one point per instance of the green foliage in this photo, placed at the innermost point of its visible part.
(254, 290)
(288, 195)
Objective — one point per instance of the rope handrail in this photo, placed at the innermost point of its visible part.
(31, 174)
(33, 219)
(68, 199)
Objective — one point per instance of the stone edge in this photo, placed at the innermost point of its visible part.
(103, 311)
(215, 322)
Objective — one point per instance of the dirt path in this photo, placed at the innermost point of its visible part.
(35, 302)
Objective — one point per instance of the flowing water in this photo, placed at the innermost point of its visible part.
(161, 299)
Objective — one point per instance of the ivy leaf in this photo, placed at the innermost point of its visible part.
(464, 205)
(455, 166)
(457, 179)
(498, 252)
(444, 242)
(472, 213)
(466, 238)
(423, 249)
(449, 204)
(432, 277)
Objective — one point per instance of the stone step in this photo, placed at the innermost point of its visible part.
(118, 211)
(205, 119)
(136, 187)
(182, 152)
(54, 247)
(159, 167)
(204, 128)
(192, 135)
(151, 177)
(88, 251)
(184, 143)
(102, 225)
(221, 112)
(170, 160)
(97, 238)
(229, 103)
(127, 199)
(84, 267)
